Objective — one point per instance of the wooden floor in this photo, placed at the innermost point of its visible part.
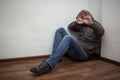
(66, 70)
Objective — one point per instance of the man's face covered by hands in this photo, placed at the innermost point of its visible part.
(84, 17)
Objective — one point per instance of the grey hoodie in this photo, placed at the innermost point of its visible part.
(89, 37)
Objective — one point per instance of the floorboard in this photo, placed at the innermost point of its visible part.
(66, 70)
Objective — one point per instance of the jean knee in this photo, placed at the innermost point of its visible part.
(61, 29)
(67, 38)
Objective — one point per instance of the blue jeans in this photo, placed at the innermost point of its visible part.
(62, 44)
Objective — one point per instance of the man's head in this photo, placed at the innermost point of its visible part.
(84, 17)
(83, 13)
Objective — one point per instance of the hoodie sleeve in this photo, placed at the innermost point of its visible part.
(74, 27)
(98, 28)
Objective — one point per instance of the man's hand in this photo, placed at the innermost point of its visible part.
(87, 20)
(79, 20)
(84, 20)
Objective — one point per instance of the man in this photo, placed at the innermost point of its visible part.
(89, 33)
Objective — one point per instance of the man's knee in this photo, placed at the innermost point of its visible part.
(61, 29)
(67, 38)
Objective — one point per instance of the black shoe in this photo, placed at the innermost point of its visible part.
(43, 68)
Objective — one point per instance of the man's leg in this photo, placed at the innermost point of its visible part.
(59, 34)
(74, 53)
(63, 46)
(51, 62)
(66, 42)
(44, 67)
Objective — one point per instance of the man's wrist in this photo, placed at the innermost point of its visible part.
(91, 23)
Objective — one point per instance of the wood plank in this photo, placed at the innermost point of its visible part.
(66, 70)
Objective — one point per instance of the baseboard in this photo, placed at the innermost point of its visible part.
(23, 58)
(45, 56)
(110, 61)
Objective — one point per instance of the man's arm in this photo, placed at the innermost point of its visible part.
(74, 26)
(98, 28)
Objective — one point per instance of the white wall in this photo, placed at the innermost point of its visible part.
(94, 6)
(27, 26)
(111, 22)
